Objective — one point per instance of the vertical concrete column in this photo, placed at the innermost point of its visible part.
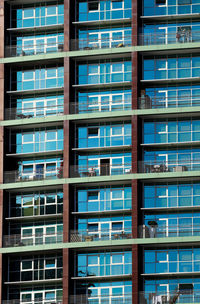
(135, 275)
(66, 168)
(135, 80)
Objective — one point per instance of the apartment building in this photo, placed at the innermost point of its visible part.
(100, 151)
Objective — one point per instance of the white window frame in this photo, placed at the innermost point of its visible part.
(25, 18)
(98, 258)
(26, 260)
(33, 79)
(111, 67)
(110, 296)
(116, 9)
(162, 5)
(51, 131)
(111, 259)
(50, 258)
(46, 70)
(111, 130)
(93, 191)
(166, 97)
(94, 11)
(29, 142)
(98, 73)
(22, 202)
(54, 15)
(111, 194)
(45, 199)
(96, 136)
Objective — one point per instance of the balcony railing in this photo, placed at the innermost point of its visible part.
(164, 166)
(104, 43)
(178, 296)
(104, 270)
(90, 299)
(156, 230)
(165, 10)
(37, 49)
(100, 235)
(16, 176)
(179, 37)
(36, 147)
(101, 170)
(88, 107)
(17, 113)
(38, 301)
(159, 103)
(16, 240)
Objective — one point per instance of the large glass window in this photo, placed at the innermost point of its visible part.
(103, 264)
(103, 10)
(38, 15)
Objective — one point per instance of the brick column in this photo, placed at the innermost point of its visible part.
(135, 22)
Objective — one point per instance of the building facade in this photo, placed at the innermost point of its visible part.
(100, 151)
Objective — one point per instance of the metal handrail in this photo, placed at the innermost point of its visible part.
(19, 113)
(101, 170)
(156, 230)
(101, 234)
(17, 176)
(16, 240)
(153, 166)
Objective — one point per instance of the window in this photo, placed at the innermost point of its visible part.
(26, 265)
(93, 6)
(51, 135)
(51, 11)
(158, 2)
(27, 138)
(93, 69)
(51, 73)
(117, 226)
(116, 130)
(93, 132)
(28, 13)
(28, 75)
(117, 68)
(92, 227)
(93, 195)
(117, 194)
(27, 168)
(50, 263)
(116, 4)
(93, 260)
(117, 259)
(184, 2)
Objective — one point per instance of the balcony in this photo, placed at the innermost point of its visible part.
(148, 102)
(168, 167)
(90, 299)
(101, 170)
(101, 235)
(95, 107)
(38, 301)
(104, 43)
(154, 230)
(29, 50)
(179, 38)
(16, 176)
(164, 10)
(33, 112)
(178, 296)
(16, 240)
